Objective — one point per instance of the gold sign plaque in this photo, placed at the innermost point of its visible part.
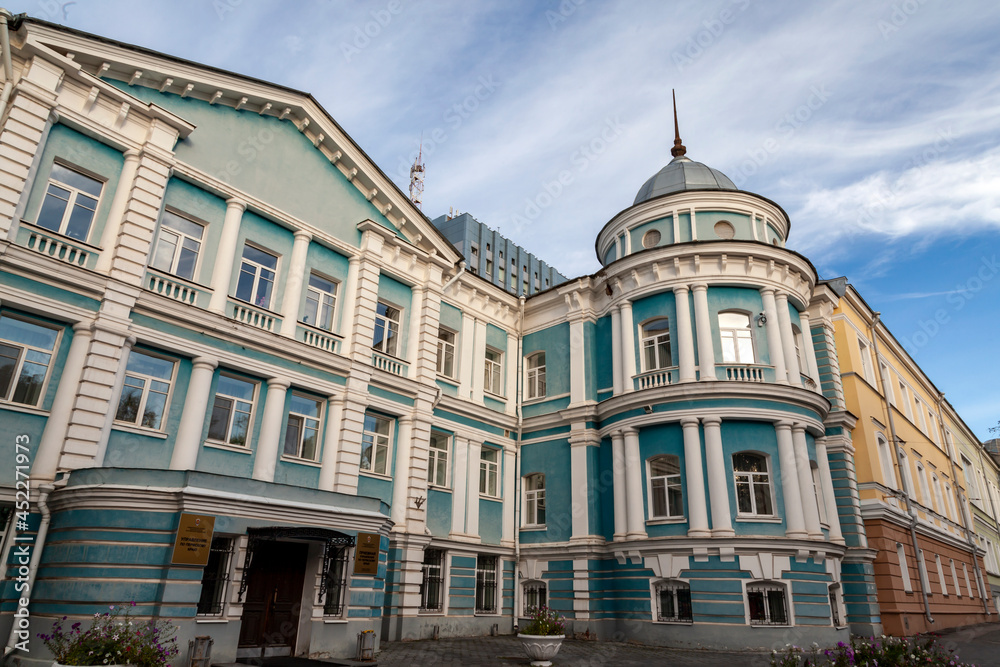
(366, 553)
(194, 540)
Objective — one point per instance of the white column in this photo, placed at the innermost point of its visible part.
(578, 487)
(633, 482)
(788, 339)
(401, 474)
(349, 304)
(116, 391)
(467, 341)
(478, 362)
(616, 350)
(695, 480)
(513, 363)
(266, 459)
(618, 468)
(225, 255)
(577, 364)
(459, 485)
(50, 447)
(109, 238)
(829, 498)
(413, 334)
(472, 490)
(685, 336)
(794, 520)
(628, 347)
(806, 490)
(331, 443)
(810, 349)
(703, 323)
(718, 480)
(509, 497)
(189, 431)
(294, 283)
(774, 348)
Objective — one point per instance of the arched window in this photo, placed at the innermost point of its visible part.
(665, 495)
(768, 603)
(800, 350)
(673, 601)
(535, 595)
(753, 484)
(534, 499)
(737, 341)
(536, 375)
(656, 344)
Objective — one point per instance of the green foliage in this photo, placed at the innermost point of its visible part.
(870, 652)
(544, 621)
(113, 638)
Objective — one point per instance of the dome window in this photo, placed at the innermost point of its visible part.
(651, 238)
(725, 230)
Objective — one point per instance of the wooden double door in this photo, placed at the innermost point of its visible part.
(270, 620)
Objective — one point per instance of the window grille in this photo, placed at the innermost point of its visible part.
(336, 580)
(432, 585)
(673, 600)
(486, 585)
(767, 605)
(215, 577)
(535, 596)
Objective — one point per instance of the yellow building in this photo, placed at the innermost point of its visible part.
(929, 570)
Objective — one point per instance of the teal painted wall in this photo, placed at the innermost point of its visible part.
(663, 304)
(327, 264)
(602, 362)
(553, 460)
(490, 520)
(204, 206)
(759, 437)
(590, 356)
(738, 298)
(401, 296)
(555, 342)
(706, 225)
(439, 512)
(684, 225)
(664, 225)
(773, 234)
(451, 317)
(271, 238)
(496, 338)
(653, 441)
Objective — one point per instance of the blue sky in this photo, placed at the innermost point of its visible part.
(876, 125)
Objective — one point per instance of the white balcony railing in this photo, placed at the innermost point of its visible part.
(661, 377)
(57, 248)
(253, 317)
(172, 288)
(388, 364)
(745, 373)
(321, 340)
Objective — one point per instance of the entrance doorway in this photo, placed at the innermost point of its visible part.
(270, 620)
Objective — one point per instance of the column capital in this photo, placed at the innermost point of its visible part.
(83, 327)
(335, 399)
(630, 430)
(131, 155)
(625, 303)
(205, 362)
(798, 427)
(689, 421)
(405, 419)
(699, 287)
(680, 289)
(767, 290)
(783, 425)
(279, 383)
(236, 202)
(617, 435)
(711, 421)
(303, 234)
(780, 296)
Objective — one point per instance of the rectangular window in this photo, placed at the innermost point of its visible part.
(737, 338)
(446, 352)
(70, 203)
(302, 430)
(178, 246)
(336, 582)
(968, 586)
(321, 303)
(432, 582)
(904, 568)
(535, 596)
(524, 287)
(489, 472)
(145, 390)
(940, 569)
(538, 284)
(232, 411)
(437, 464)
(386, 338)
(834, 607)
(256, 281)
(215, 578)
(673, 602)
(536, 375)
(486, 585)
(375, 444)
(500, 272)
(534, 500)
(866, 362)
(887, 385)
(904, 397)
(767, 605)
(489, 268)
(920, 414)
(666, 498)
(493, 371)
(26, 352)
(954, 577)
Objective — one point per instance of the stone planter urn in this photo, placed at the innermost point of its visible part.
(541, 648)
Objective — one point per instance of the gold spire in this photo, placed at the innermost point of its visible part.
(678, 149)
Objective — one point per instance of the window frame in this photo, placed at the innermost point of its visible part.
(257, 274)
(885, 455)
(427, 581)
(443, 347)
(493, 372)
(181, 238)
(740, 514)
(67, 213)
(537, 589)
(535, 376)
(226, 441)
(487, 577)
(649, 341)
(766, 588)
(321, 296)
(224, 577)
(865, 356)
(672, 586)
(489, 470)
(736, 338)
(534, 500)
(385, 323)
(298, 455)
(671, 481)
(7, 397)
(146, 390)
(365, 433)
(436, 456)
(336, 602)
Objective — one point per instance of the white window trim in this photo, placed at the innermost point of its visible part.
(224, 443)
(8, 402)
(444, 582)
(654, 589)
(387, 474)
(733, 332)
(145, 393)
(227, 587)
(528, 495)
(386, 328)
(768, 584)
(649, 492)
(741, 516)
(904, 567)
(336, 301)
(493, 369)
(654, 340)
(319, 429)
(497, 584)
(442, 346)
(435, 453)
(71, 202)
(496, 466)
(196, 271)
(531, 374)
(532, 583)
(256, 278)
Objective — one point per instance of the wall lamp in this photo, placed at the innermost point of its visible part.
(648, 409)
(761, 319)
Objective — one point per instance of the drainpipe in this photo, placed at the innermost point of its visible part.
(903, 477)
(517, 464)
(36, 557)
(8, 70)
(458, 274)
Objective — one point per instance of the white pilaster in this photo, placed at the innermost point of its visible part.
(578, 487)
(50, 447)
(478, 362)
(695, 480)
(349, 304)
(331, 441)
(266, 459)
(417, 293)
(192, 425)
(466, 365)
(703, 324)
(459, 486)
(294, 283)
(577, 364)
(794, 520)
(628, 347)
(119, 202)
(401, 474)
(718, 480)
(509, 497)
(225, 255)
(774, 348)
(116, 391)
(829, 498)
(810, 349)
(512, 363)
(685, 336)
(472, 492)
(787, 339)
(636, 519)
(808, 493)
(616, 350)
(618, 469)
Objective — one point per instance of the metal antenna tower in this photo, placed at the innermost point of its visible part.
(417, 177)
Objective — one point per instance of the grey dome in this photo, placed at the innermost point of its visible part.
(682, 174)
